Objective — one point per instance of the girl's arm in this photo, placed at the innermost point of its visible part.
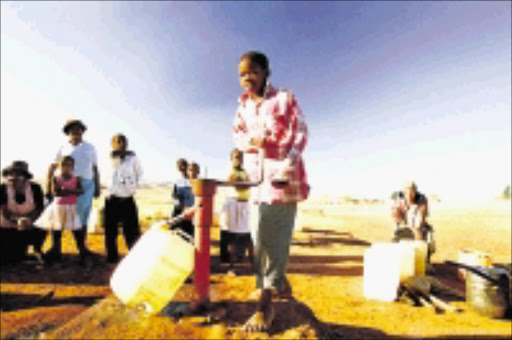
(241, 135)
(54, 189)
(296, 133)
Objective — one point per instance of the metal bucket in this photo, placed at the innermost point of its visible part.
(488, 298)
(488, 289)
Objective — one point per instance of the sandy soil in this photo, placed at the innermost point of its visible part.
(325, 271)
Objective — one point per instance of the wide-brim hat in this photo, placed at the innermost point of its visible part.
(17, 166)
(73, 122)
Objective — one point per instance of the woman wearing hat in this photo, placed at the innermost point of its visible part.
(86, 168)
(21, 203)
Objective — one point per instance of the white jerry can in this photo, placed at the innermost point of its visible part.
(154, 269)
(385, 265)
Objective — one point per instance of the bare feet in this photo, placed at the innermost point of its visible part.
(260, 321)
(285, 292)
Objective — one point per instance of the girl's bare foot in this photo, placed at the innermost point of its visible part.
(262, 319)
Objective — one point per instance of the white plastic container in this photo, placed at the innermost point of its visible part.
(154, 269)
(420, 254)
(386, 264)
(472, 258)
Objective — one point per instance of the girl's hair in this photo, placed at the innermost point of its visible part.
(193, 165)
(181, 162)
(121, 137)
(257, 58)
(67, 158)
(235, 152)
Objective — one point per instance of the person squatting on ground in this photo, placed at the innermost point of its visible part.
(270, 119)
(86, 168)
(62, 214)
(183, 197)
(410, 210)
(21, 203)
(120, 205)
(235, 234)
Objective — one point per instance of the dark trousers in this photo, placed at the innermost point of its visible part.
(242, 242)
(14, 243)
(124, 210)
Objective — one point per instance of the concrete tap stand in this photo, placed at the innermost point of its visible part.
(204, 191)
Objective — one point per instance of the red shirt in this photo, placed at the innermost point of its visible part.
(277, 118)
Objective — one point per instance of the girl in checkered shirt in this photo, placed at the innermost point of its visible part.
(270, 119)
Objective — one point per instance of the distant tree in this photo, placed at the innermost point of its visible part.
(506, 194)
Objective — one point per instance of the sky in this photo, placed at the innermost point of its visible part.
(391, 91)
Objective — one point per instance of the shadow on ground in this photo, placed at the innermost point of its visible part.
(14, 301)
(68, 271)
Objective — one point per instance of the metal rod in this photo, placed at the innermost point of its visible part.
(204, 191)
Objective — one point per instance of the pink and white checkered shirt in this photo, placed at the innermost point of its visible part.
(277, 118)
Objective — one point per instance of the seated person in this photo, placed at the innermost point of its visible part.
(21, 203)
(410, 211)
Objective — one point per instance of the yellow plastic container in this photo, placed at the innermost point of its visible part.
(154, 269)
(386, 264)
(420, 254)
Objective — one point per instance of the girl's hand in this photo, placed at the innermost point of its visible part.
(282, 178)
(258, 142)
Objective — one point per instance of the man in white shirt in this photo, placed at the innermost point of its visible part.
(120, 205)
(86, 167)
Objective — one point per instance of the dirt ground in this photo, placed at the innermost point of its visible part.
(325, 271)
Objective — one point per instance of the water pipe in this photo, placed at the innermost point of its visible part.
(204, 191)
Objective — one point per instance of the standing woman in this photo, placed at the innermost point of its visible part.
(270, 119)
(120, 204)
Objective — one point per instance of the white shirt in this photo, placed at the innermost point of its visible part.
(84, 155)
(234, 216)
(125, 176)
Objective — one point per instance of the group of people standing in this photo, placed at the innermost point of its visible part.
(69, 192)
(269, 132)
(268, 122)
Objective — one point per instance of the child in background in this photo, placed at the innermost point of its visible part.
(193, 170)
(120, 204)
(62, 213)
(182, 194)
(181, 191)
(235, 235)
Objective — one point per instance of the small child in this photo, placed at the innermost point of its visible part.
(61, 214)
(182, 194)
(193, 170)
(235, 236)
(181, 191)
